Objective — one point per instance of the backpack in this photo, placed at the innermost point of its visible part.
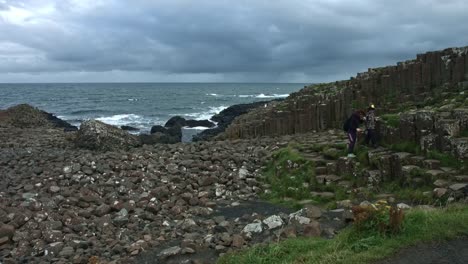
(346, 124)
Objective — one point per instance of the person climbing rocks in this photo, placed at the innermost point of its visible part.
(371, 136)
(351, 127)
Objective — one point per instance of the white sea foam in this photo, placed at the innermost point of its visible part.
(197, 128)
(263, 95)
(213, 94)
(129, 120)
(207, 114)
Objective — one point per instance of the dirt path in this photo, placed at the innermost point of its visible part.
(443, 252)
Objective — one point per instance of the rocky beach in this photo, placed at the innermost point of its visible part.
(127, 203)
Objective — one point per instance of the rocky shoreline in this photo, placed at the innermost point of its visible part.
(65, 202)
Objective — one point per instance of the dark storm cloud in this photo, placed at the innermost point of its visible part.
(233, 41)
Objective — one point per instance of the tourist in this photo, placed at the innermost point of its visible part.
(351, 127)
(370, 127)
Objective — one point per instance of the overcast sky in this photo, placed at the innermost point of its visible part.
(218, 40)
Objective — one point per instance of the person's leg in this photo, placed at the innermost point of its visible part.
(352, 141)
(373, 138)
(368, 137)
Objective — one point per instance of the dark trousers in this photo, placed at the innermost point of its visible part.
(352, 136)
(371, 137)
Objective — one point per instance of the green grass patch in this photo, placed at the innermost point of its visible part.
(392, 120)
(362, 154)
(289, 175)
(410, 147)
(352, 246)
(446, 160)
(333, 153)
(292, 180)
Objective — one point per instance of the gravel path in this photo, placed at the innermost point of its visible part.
(441, 252)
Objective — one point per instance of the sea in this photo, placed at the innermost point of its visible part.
(140, 105)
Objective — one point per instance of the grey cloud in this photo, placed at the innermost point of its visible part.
(242, 41)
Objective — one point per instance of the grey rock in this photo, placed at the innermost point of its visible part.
(96, 135)
(253, 228)
(67, 252)
(273, 222)
(169, 252)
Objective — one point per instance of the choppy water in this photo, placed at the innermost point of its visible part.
(140, 105)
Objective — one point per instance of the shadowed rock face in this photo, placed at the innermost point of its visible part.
(26, 116)
(225, 118)
(95, 135)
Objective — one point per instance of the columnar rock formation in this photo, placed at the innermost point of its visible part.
(324, 106)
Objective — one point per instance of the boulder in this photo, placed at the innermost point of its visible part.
(199, 123)
(96, 135)
(129, 128)
(253, 228)
(273, 222)
(175, 121)
(158, 129)
(26, 116)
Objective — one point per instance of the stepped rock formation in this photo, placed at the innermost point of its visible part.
(324, 106)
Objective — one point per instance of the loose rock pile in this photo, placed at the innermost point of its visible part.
(63, 204)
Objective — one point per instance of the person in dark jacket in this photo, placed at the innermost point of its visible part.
(370, 127)
(352, 125)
